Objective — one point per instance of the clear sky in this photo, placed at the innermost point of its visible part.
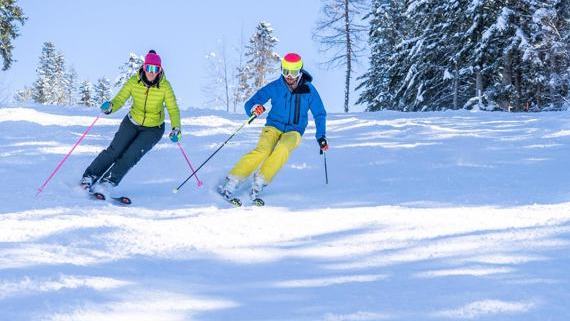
(97, 36)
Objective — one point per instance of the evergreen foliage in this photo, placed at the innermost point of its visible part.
(11, 16)
(262, 61)
(494, 55)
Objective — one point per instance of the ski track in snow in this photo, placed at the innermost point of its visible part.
(427, 216)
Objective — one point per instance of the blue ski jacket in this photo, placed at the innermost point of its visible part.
(289, 109)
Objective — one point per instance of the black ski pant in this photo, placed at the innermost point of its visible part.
(129, 145)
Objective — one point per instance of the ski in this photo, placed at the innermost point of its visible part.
(97, 196)
(123, 200)
(100, 197)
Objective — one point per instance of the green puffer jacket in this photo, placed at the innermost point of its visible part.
(148, 102)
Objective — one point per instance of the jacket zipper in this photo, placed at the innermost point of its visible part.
(297, 109)
(145, 99)
(290, 108)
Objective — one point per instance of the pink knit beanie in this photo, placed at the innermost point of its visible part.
(152, 58)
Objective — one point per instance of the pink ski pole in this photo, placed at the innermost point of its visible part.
(41, 189)
(189, 164)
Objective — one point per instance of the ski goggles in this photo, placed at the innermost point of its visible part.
(289, 72)
(151, 68)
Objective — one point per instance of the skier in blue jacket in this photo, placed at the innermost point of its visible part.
(292, 95)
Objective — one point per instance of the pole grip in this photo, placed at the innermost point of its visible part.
(251, 119)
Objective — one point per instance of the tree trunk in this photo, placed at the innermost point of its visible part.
(552, 87)
(479, 86)
(518, 88)
(456, 86)
(348, 56)
(507, 77)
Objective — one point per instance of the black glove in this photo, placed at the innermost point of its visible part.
(323, 144)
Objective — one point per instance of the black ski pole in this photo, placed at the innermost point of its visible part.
(326, 172)
(247, 122)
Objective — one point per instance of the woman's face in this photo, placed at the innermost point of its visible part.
(151, 72)
(150, 75)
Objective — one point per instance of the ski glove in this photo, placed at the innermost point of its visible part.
(175, 135)
(323, 144)
(258, 110)
(106, 107)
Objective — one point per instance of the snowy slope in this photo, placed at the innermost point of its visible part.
(432, 216)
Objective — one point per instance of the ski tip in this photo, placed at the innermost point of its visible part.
(123, 200)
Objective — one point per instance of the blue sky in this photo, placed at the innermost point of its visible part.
(97, 36)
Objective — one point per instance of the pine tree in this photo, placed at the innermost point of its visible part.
(59, 82)
(70, 86)
(50, 87)
(43, 90)
(128, 69)
(23, 95)
(10, 16)
(102, 91)
(509, 55)
(341, 36)
(564, 9)
(387, 27)
(551, 61)
(86, 94)
(244, 88)
(435, 52)
(262, 60)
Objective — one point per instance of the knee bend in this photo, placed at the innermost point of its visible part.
(261, 152)
(282, 150)
(112, 152)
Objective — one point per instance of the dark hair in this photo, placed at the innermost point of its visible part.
(152, 51)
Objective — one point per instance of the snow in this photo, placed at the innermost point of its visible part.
(442, 216)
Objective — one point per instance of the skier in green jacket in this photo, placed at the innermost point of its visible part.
(139, 131)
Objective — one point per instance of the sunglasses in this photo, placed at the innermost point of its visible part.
(151, 68)
(292, 73)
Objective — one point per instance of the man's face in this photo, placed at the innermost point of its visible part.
(291, 76)
(290, 80)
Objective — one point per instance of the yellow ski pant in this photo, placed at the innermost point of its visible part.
(272, 152)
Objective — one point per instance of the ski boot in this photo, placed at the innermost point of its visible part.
(256, 188)
(87, 182)
(227, 190)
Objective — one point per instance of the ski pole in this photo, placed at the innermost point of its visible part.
(66, 156)
(326, 171)
(214, 153)
(189, 164)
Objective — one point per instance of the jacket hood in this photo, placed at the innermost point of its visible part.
(306, 76)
